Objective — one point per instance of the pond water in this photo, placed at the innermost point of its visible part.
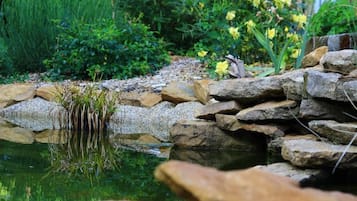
(25, 174)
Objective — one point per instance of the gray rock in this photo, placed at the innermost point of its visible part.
(270, 110)
(346, 88)
(208, 111)
(322, 85)
(206, 135)
(36, 114)
(300, 175)
(247, 89)
(336, 132)
(156, 120)
(319, 109)
(308, 153)
(293, 84)
(228, 122)
(343, 61)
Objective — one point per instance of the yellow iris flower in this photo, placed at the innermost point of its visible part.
(230, 15)
(300, 19)
(271, 33)
(222, 68)
(250, 25)
(202, 53)
(295, 53)
(234, 32)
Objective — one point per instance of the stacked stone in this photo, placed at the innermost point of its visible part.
(308, 114)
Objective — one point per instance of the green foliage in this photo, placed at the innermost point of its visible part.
(104, 50)
(225, 27)
(28, 29)
(334, 17)
(5, 61)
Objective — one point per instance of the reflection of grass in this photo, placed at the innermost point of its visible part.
(82, 155)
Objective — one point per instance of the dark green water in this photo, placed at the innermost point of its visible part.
(23, 167)
(23, 170)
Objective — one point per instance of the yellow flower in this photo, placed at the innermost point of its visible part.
(202, 53)
(256, 3)
(295, 53)
(230, 15)
(300, 19)
(201, 5)
(280, 3)
(286, 29)
(294, 37)
(270, 33)
(250, 25)
(234, 32)
(221, 68)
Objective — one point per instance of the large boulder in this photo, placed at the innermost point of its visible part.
(247, 89)
(156, 120)
(49, 92)
(206, 135)
(336, 132)
(36, 114)
(196, 183)
(178, 92)
(309, 153)
(209, 111)
(343, 61)
(12, 93)
(149, 99)
(270, 110)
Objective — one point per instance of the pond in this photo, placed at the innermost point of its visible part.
(25, 174)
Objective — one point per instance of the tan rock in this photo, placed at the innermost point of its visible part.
(269, 130)
(270, 110)
(17, 134)
(205, 134)
(48, 92)
(197, 183)
(12, 93)
(208, 111)
(129, 98)
(52, 136)
(228, 122)
(314, 57)
(200, 88)
(149, 99)
(178, 92)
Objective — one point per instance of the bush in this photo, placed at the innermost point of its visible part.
(104, 50)
(334, 17)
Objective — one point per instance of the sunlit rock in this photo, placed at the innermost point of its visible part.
(12, 93)
(270, 110)
(178, 92)
(226, 107)
(17, 134)
(308, 153)
(197, 183)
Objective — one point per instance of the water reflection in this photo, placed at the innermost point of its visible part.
(89, 154)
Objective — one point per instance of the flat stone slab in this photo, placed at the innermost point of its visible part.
(343, 61)
(209, 111)
(297, 174)
(270, 110)
(336, 132)
(17, 135)
(247, 89)
(309, 153)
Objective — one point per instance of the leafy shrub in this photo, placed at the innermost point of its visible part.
(334, 17)
(105, 50)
